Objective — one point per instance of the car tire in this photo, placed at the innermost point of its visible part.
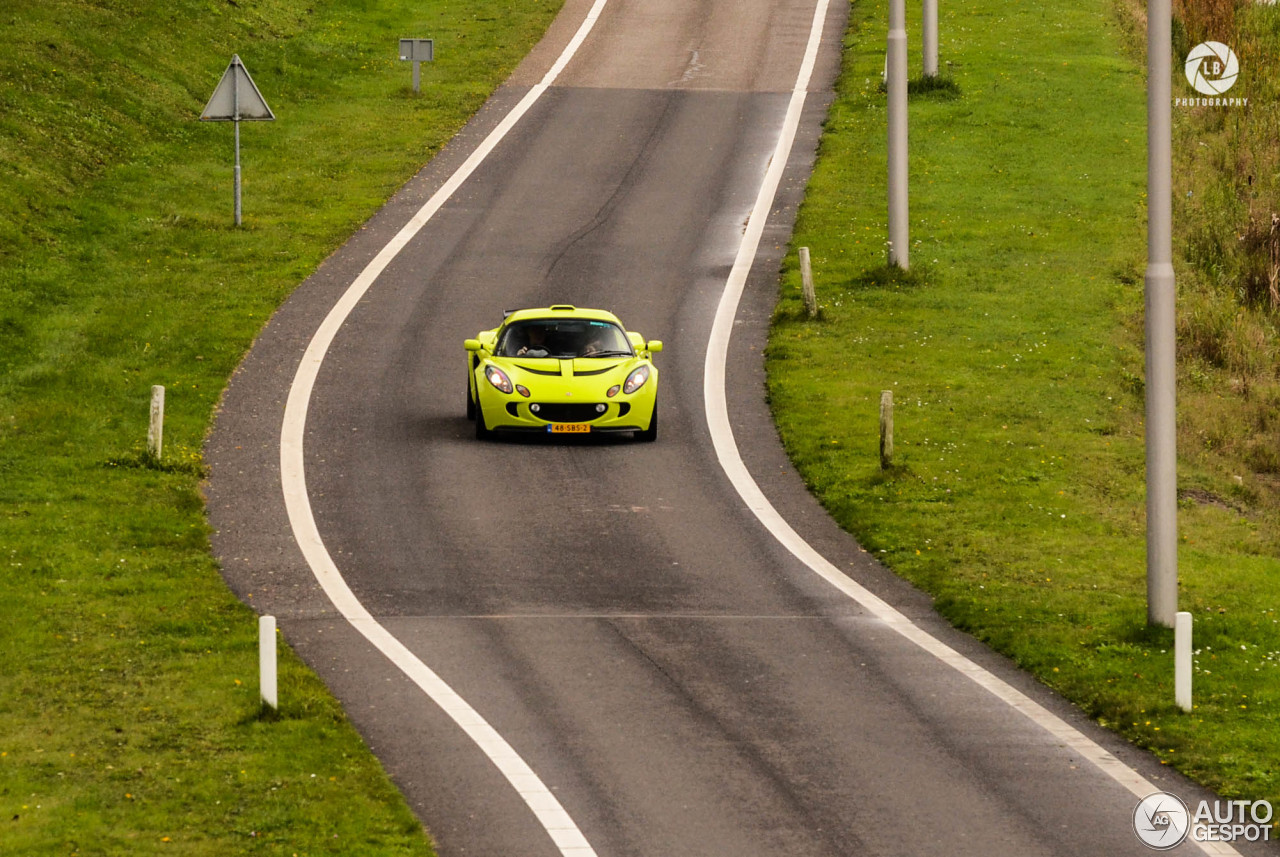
(482, 431)
(650, 434)
(471, 404)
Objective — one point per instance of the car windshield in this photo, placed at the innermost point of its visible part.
(563, 338)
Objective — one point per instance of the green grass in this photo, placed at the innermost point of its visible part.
(1227, 192)
(129, 713)
(1017, 493)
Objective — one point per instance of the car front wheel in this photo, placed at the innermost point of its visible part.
(650, 434)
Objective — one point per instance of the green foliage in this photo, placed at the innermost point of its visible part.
(1017, 492)
(934, 86)
(129, 713)
(1227, 229)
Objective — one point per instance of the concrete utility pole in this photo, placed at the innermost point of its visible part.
(1161, 380)
(930, 29)
(897, 87)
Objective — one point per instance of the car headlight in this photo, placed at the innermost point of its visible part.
(498, 378)
(636, 379)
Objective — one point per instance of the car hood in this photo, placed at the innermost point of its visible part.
(580, 367)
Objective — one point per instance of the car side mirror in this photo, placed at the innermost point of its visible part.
(472, 345)
(653, 345)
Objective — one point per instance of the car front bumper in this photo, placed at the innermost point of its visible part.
(510, 412)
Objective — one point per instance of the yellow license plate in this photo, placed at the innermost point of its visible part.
(569, 428)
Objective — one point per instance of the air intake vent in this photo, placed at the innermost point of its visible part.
(576, 412)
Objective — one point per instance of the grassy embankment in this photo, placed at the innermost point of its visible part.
(1014, 352)
(129, 713)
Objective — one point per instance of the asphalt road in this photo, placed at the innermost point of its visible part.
(678, 680)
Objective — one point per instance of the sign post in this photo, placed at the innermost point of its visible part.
(237, 99)
(417, 51)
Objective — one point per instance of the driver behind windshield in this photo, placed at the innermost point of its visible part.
(530, 341)
(604, 340)
(595, 344)
(537, 339)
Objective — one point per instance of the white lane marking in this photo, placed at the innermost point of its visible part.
(544, 805)
(726, 447)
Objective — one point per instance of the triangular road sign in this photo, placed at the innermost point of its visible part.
(236, 98)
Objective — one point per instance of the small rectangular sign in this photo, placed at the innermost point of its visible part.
(569, 428)
(417, 50)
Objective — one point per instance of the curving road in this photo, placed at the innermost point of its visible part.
(678, 680)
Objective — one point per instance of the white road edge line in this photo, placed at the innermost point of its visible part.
(731, 462)
(544, 805)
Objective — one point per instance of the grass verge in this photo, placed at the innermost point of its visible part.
(129, 713)
(1017, 493)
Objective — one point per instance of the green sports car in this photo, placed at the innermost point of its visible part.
(562, 370)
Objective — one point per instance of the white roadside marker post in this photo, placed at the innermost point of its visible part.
(806, 280)
(155, 432)
(267, 661)
(1182, 660)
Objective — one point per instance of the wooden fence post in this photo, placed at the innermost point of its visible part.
(886, 429)
(155, 434)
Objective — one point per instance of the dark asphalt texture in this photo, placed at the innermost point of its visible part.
(680, 681)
